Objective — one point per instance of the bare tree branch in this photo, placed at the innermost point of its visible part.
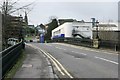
(23, 7)
(11, 5)
(14, 2)
(31, 9)
(8, 8)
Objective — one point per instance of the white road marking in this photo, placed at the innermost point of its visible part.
(91, 50)
(58, 68)
(50, 69)
(96, 51)
(63, 49)
(86, 49)
(49, 58)
(61, 66)
(80, 47)
(106, 60)
(73, 51)
(56, 47)
(111, 53)
(83, 53)
(60, 48)
(48, 45)
(79, 53)
(48, 61)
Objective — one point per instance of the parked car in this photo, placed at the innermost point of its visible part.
(31, 40)
(12, 41)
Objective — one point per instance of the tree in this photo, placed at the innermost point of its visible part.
(7, 8)
(52, 25)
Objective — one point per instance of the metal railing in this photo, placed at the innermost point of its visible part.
(114, 45)
(9, 56)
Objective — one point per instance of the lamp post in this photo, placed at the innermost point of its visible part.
(97, 37)
(96, 41)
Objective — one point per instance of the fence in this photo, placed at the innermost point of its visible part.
(9, 57)
(74, 41)
(114, 45)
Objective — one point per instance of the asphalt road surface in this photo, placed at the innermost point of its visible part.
(81, 62)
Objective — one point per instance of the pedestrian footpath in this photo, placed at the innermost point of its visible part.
(34, 66)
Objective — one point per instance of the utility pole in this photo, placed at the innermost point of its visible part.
(5, 22)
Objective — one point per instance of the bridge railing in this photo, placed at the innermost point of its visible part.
(79, 42)
(114, 45)
(9, 56)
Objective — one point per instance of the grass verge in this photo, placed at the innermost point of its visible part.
(29, 38)
(18, 64)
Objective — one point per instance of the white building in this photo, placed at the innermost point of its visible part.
(73, 29)
(82, 29)
(107, 27)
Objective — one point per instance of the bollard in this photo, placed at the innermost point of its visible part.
(96, 43)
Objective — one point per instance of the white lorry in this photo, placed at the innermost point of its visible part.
(73, 29)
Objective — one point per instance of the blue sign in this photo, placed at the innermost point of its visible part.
(41, 38)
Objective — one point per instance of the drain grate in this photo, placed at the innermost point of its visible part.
(27, 65)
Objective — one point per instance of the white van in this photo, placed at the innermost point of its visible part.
(12, 41)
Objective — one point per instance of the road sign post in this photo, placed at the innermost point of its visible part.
(41, 38)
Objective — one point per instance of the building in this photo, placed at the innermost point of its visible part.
(62, 21)
(40, 29)
(82, 29)
(31, 26)
(107, 31)
(107, 27)
(76, 29)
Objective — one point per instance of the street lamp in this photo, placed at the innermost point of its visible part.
(97, 37)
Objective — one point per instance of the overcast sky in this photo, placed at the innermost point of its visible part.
(103, 10)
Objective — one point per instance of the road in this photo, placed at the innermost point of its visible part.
(80, 62)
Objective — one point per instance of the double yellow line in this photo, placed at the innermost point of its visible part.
(57, 64)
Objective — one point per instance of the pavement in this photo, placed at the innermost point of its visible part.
(36, 65)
